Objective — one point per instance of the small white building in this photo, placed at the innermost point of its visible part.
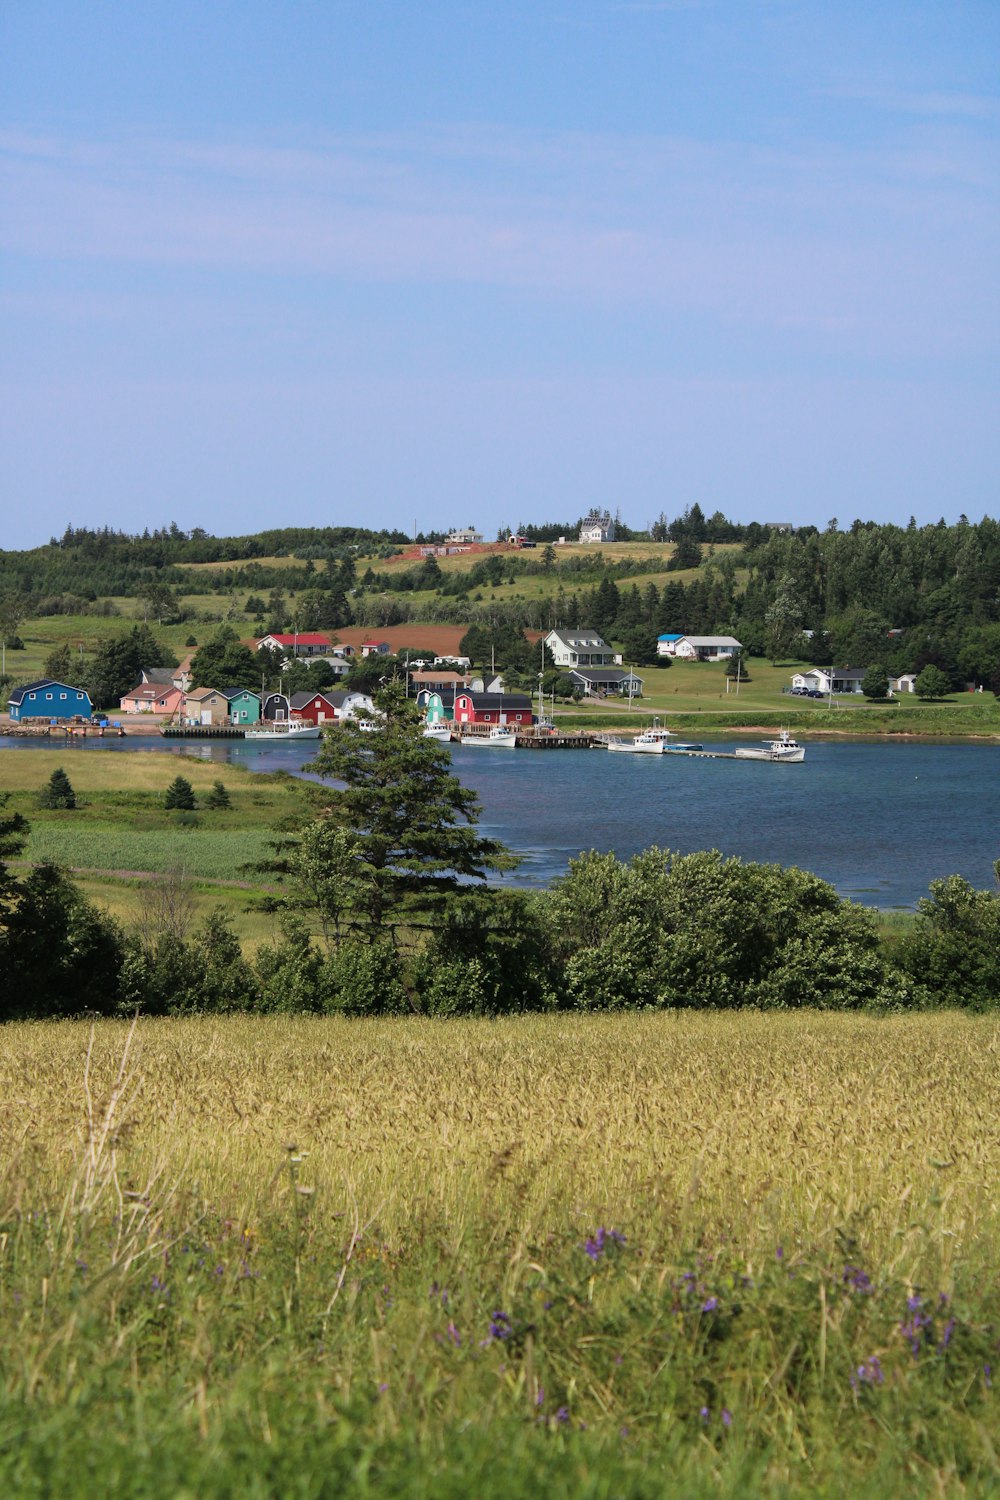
(581, 648)
(830, 679)
(698, 647)
(466, 538)
(905, 683)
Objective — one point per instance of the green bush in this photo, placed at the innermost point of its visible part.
(362, 979)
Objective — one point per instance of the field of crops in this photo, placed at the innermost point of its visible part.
(593, 1256)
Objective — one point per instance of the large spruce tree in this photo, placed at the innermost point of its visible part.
(411, 824)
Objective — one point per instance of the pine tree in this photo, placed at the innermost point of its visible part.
(413, 842)
(180, 795)
(218, 797)
(59, 792)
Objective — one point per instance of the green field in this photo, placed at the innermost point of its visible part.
(633, 1256)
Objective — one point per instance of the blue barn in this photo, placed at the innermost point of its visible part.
(49, 700)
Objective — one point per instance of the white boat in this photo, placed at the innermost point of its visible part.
(499, 738)
(440, 732)
(783, 748)
(284, 729)
(651, 742)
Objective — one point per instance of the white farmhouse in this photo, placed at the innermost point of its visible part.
(597, 527)
(580, 648)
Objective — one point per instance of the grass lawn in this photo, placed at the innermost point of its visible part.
(121, 826)
(633, 1256)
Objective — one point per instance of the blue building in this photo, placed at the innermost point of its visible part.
(48, 700)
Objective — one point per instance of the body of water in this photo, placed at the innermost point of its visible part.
(879, 820)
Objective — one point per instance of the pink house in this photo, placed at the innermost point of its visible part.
(152, 698)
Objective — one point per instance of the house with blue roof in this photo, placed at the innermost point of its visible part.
(46, 699)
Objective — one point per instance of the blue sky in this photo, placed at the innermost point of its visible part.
(373, 263)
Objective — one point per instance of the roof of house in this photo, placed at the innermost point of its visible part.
(709, 640)
(603, 674)
(205, 692)
(237, 692)
(44, 682)
(439, 674)
(152, 690)
(671, 636)
(299, 700)
(495, 700)
(589, 637)
(164, 676)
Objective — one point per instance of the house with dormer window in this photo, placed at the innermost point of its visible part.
(580, 648)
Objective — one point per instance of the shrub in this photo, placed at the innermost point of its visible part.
(362, 979)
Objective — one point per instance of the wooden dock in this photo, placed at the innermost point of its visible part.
(202, 732)
(553, 742)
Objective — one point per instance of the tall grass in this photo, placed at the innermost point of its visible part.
(640, 1255)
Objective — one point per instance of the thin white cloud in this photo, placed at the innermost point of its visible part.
(889, 246)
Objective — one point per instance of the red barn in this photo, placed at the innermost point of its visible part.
(492, 708)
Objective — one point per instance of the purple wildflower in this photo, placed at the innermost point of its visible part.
(727, 1416)
(540, 1396)
(779, 1254)
(562, 1415)
(156, 1285)
(949, 1329)
(710, 1305)
(869, 1373)
(857, 1279)
(454, 1335)
(500, 1326)
(988, 1376)
(704, 1414)
(595, 1246)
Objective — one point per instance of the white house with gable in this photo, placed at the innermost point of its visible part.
(580, 648)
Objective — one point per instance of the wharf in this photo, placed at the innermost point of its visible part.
(553, 742)
(202, 732)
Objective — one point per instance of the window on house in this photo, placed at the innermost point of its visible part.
(49, 696)
(31, 695)
(62, 695)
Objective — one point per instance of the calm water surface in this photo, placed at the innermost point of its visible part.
(880, 821)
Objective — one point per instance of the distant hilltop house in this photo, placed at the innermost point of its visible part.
(306, 643)
(580, 648)
(467, 538)
(46, 699)
(698, 647)
(830, 680)
(598, 527)
(375, 648)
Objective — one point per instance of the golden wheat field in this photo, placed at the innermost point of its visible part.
(751, 1127)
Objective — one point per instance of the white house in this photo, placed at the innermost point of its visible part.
(830, 679)
(467, 538)
(905, 683)
(580, 648)
(597, 527)
(698, 647)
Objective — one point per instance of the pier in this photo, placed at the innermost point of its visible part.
(202, 732)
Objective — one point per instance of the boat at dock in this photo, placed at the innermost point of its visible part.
(784, 748)
(650, 742)
(499, 738)
(284, 729)
(441, 732)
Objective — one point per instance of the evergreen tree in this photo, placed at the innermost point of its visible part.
(218, 797)
(411, 822)
(58, 792)
(225, 662)
(179, 795)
